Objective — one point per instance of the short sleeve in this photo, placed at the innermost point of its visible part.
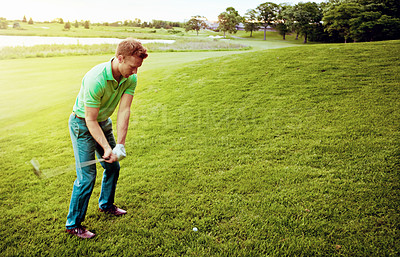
(93, 92)
(132, 82)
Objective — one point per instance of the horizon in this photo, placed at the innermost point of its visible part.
(102, 11)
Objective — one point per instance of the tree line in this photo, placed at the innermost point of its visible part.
(157, 24)
(332, 21)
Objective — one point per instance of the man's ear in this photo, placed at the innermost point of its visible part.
(120, 58)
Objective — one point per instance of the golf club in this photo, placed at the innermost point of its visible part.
(87, 163)
(36, 167)
(42, 174)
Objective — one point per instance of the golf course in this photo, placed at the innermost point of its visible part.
(276, 148)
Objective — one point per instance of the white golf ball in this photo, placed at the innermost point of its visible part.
(195, 229)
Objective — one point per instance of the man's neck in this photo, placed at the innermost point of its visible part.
(115, 72)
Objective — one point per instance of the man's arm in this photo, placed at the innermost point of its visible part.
(95, 130)
(124, 113)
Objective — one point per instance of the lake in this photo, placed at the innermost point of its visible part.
(35, 40)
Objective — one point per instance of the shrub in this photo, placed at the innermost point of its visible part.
(3, 24)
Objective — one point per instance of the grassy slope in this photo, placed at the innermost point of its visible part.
(285, 152)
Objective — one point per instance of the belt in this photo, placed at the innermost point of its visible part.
(76, 116)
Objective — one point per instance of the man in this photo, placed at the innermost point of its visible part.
(90, 126)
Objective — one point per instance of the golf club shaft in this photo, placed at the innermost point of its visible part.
(87, 163)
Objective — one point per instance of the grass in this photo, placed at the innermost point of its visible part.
(55, 50)
(286, 152)
(197, 45)
(185, 41)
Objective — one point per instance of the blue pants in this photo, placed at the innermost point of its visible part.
(85, 148)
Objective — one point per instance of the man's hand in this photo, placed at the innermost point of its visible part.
(97, 133)
(109, 156)
(119, 151)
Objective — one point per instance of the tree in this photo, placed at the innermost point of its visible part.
(196, 23)
(307, 16)
(86, 25)
(67, 25)
(386, 7)
(267, 15)
(3, 23)
(76, 24)
(136, 23)
(290, 20)
(24, 19)
(372, 25)
(378, 20)
(228, 20)
(283, 20)
(58, 20)
(250, 21)
(338, 19)
(363, 20)
(157, 24)
(30, 21)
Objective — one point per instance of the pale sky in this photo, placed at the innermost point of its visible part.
(120, 10)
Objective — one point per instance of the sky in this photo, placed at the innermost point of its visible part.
(120, 10)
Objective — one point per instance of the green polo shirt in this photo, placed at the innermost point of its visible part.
(100, 90)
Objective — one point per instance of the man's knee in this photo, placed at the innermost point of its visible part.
(86, 175)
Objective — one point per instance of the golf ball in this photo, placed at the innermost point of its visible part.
(195, 229)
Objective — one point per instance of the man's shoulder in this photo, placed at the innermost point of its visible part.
(132, 78)
(98, 72)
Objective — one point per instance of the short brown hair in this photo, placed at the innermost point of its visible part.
(131, 47)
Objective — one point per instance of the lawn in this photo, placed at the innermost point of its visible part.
(283, 152)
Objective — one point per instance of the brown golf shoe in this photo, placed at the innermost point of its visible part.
(81, 232)
(114, 210)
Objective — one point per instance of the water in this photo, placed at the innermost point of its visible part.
(35, 40)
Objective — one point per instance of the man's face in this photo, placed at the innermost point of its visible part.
(129, 65)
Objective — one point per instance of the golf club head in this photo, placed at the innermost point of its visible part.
(36, 168)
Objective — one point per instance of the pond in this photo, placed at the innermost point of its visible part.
(36, 40)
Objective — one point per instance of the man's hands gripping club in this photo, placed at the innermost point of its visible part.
(122, 125)
(110, 155)
(119, 151)
(116, 154)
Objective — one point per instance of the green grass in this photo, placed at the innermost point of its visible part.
(185, 41)
(285, 152)
(55, 50)
(271, 35)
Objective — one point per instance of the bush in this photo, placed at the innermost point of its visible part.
(172, 31)
(3, 24)
(67, 25)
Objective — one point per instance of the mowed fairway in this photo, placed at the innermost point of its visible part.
(286, 152)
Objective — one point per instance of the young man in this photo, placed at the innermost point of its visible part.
(90, 126)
